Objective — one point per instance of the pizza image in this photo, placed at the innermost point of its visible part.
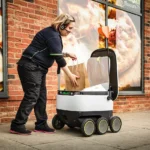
(123, 37)
(125, 41)
(85, 37)
(127, 45)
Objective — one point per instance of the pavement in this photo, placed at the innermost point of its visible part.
(134, 135)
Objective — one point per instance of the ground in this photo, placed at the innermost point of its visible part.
(134, 135)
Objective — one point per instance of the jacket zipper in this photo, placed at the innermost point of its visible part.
(37, 52)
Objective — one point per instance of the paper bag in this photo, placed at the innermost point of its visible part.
(83, 81)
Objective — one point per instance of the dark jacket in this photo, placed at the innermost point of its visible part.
(45, 48)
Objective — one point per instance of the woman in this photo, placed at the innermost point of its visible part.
(45, 48)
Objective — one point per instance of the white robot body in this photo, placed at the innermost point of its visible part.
(84, 103)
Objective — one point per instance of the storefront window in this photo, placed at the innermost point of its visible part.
(125, 40)
(124, 36)
(135, 5)
(1, 57)
(3, 73)
(89, 17)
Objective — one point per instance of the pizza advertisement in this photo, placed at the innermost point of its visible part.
(135, 5)
(124, 37)
(1, 58)
(125, 41)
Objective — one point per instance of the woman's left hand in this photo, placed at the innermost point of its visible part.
(72, 56)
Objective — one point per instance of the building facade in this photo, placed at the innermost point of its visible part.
(22, 19)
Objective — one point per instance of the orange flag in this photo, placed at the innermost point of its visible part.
(104, 31)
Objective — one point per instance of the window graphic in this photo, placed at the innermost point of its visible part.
(124, 36)
(3, 51)
(135, 5)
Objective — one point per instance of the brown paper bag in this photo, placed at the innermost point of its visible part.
(83, 81)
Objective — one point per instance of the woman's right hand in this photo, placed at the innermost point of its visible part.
(73, 78)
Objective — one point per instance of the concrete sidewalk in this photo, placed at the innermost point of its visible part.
(134, 135)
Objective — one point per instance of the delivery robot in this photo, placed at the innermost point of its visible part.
(92, 111)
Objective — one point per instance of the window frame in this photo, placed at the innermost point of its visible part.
(4, 93)
(142, 91)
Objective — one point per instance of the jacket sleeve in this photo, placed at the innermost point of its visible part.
(55, 47)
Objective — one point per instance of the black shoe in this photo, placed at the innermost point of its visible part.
(19, 130)
(44, 128)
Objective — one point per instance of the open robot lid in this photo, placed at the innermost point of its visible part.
(113, 76)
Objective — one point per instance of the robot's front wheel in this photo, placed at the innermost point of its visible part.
(115, 124)
(88, 127)
(57, 123)
(102, 125)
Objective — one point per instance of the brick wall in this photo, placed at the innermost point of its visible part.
(25, 18)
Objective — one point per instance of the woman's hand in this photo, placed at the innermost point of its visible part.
(72, 56)
(73, 78)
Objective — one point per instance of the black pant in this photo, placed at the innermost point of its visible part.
(33, 80)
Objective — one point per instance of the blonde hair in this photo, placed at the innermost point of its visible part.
(63, 19)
